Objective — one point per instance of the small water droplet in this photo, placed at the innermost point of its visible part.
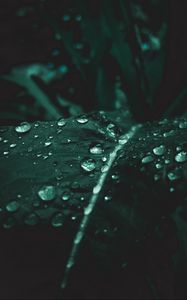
(88, 164)
(160, 150)
(13, 145)
(96, 148)
(172, 176)
(12, 206)
(181, 157)
(47, 193)
(48, 143)
(82, 119)
(111, 130)
(158, 166)
(168, 133)
(57, 220)
(31, 219)
(61, 122)
(66, 196)
(6, 152)
(147, 159)
(183, 125)
(23, 127)
(107, 198)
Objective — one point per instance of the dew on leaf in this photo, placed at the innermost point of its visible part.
(12, 206)
(111, 130)
(88, 164)
(48, 143)
(160, 150)
(6, 152)
(23, 127)
(172, 176)
(61, 122)
(158, 166)
(13, 145)
(57, 220)
(66, 196)
(47, 193)
(169, 133)
(147, 159)
(183, 125)
(96, 148)
(82, 119)
(107, 198)
(181, 157)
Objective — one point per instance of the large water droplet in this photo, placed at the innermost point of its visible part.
(23, 127)
(57, 220)
(181, 157)
(160, 150)
(147, 159)
(12, 206)
(88, 164)
(96, 148)
(82, 119)
(61, 122)
(12, 145)
(47, 193)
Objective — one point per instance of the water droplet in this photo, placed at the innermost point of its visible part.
(172, 176)
(181, 157)
(104, 158)
(111, 130)
(183, 125)
(66, 196)
(160, 150)
(12, 145)
(23, 127)
(48, 143)
(97, 189)
(32, 219)
(104, 168)
(6, 152)
(168, 133)
(47, 193)
(147, 159)
(57, 220)
(82, 119)
(158, 166)
(12, 206)
(61, 122)
(107, 198)
(115, 176)
(96, 148)
(88, 164)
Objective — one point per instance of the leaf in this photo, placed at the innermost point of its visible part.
(49, 175)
